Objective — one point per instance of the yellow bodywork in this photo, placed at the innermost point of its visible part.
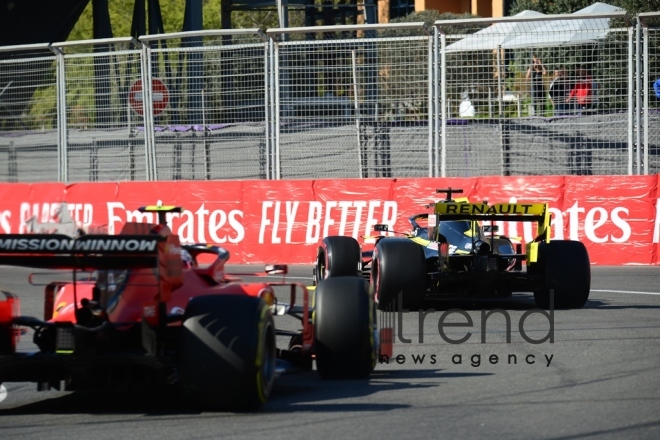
(420, 241)
(538, 212)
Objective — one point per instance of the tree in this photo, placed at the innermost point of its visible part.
(172, 11)
(549, 6)
(430, 16)
(633, 7)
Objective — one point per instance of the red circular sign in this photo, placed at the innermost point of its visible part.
(160, 96)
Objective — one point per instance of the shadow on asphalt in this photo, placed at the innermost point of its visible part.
(520, 302)
(593, 304)
(313, 394)
(515, 302)
(298, 392)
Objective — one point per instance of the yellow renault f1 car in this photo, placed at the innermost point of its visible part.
(459, 254)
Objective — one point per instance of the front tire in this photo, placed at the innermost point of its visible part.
(227, 352)
(399, 267)
(344, 326)
(565, 270)
(337, 256)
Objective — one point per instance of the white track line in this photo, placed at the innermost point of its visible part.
(280, 277)
(626, 291)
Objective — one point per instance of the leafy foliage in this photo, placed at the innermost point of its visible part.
(121, 17)
(633, 7)
(430, 16)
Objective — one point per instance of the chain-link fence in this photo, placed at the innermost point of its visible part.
(353, 101)
(29, 142)
(530, 94)
(99, 141)
(214, 126)
(649, 103)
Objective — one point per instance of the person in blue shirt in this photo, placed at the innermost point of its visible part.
(656, 88)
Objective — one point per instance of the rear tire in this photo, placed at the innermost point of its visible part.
(6, 340)
(399, 266)
(344, 323)
(338, 256)
(227, 352)
(565, 269)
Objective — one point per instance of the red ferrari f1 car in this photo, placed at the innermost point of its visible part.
(139, 311)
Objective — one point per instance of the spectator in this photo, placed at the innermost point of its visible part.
(536, 72)
(559, 90)
(580, 97)
(656, 88)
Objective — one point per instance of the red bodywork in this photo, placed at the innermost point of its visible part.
(138, 294)
(140, 287)
(152, 285)
(139, 290)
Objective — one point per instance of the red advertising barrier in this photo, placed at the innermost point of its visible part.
(617, 217)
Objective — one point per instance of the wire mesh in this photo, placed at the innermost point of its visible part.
(529, 96)
(214, 126)
(340, 101)
(101, 125)
(652, 77)
(28, 115)
(354, 103)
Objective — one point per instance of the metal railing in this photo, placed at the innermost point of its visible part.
(648, 104)
(392, 100)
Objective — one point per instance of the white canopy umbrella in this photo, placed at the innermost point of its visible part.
(588, 26)
(496, 35)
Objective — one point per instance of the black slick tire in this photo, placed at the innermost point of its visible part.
(344, 328)
(227, 356)
(564, 270)
(399, 267)
(337, 256)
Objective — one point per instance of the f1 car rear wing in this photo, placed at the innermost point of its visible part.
(89, 252)
(525, 212)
